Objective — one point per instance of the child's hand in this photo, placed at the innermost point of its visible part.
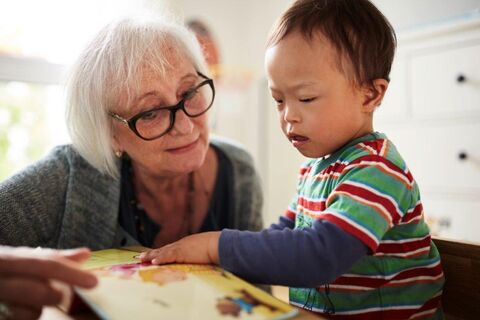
(197, 248)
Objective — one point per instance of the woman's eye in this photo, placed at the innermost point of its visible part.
(149, 115)
(189, 94)
(307, 100)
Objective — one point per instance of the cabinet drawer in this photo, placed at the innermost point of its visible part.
(446, 82)
(432, 154)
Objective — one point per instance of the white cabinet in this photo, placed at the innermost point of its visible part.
(432, 113)
(446, 81)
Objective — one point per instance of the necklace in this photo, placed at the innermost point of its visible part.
(145, 229)
(190, 198)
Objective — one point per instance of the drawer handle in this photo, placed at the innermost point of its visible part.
(461, 78)
(462, 155)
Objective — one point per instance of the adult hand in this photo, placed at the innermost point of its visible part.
(26, 277)
(196, 248)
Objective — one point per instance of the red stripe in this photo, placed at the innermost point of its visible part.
(378, 282)
(369, 242)
(417, 211)
(390, 165)
(311, 204)
(375, 144)
(290, 214)
(335, 167)
(431, 304)
(381, 314)
(409, 175)
(370, 196)
(304, 171)
(340, 167)
(403, 247)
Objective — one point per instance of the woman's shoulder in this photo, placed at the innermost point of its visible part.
(66, 153)
(234, 151)
(62, 153)
(55, 161)
(77, 166)
(61, 160)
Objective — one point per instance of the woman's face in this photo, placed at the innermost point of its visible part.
(184, 147)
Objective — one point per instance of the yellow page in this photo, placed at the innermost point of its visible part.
(129, 289)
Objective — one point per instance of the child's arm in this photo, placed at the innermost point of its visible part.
(299, 258)
(197, 248)
(283, 222)
(307, 257)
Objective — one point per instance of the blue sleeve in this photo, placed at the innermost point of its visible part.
(297, 258)
(282, 223)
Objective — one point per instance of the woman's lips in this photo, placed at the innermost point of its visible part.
(298, 140)
(184, 148)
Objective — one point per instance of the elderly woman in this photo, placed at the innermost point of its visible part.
(141, 168)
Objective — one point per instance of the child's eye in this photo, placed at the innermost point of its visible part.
(307, 100)
(278, 101)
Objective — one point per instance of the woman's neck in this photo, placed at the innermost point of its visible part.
(152, 185)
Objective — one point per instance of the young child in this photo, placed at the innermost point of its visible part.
(354, 242)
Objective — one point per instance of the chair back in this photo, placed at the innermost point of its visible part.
(461, 266)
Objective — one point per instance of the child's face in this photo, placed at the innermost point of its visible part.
(320, 109)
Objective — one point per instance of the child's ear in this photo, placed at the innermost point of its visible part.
(373, 94)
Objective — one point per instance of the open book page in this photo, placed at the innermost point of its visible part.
(129, 289)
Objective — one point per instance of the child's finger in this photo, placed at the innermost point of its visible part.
(151, 254)
(144, 257)
(166, 254)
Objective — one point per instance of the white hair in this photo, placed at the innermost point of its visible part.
(109, 66)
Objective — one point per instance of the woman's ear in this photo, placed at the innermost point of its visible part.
(374, 94)
(115, 143)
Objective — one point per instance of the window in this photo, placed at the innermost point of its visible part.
(38, 39)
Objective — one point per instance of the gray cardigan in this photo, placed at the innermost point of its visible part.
(63, 202)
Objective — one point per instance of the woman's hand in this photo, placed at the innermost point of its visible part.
(197, 248)
(26, 276)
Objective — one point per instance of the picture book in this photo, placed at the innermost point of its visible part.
(130, 289)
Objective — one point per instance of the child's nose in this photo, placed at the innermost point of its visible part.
(291, 113)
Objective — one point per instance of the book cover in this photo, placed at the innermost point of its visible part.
(130, 289)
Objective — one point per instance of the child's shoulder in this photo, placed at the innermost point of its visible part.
(374, 147)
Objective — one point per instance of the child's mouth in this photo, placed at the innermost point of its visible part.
(297, 140)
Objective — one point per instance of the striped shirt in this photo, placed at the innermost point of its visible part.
(366, 189)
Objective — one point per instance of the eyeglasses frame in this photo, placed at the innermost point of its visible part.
(132, 122)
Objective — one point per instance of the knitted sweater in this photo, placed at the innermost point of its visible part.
(63, 202)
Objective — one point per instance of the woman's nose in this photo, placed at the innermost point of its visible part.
(183, 123)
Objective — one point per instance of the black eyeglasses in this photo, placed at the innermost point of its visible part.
(154, 123)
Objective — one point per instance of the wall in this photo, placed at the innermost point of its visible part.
(407, 14)
(243, 109)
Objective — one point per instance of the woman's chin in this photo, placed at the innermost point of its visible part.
(185, 149)
(187, 160)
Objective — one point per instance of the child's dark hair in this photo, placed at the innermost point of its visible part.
(356, 28)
